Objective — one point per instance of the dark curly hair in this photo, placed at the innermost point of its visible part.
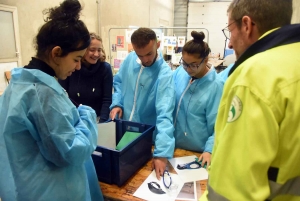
(62, 28)
(197, 45)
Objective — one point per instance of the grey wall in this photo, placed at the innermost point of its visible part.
(113, 13)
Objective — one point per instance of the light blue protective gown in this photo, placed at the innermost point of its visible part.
(147, 95)
(224, 74)
(196, 109)
(45, 142)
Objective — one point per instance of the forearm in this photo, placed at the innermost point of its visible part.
(209, 143)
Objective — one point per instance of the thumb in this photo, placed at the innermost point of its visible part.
(200, 158)
(112, 115)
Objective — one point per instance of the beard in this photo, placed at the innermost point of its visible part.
(151, 62)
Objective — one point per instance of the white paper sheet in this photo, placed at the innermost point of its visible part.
(107, 135)
(176, 58)
(181, 41)
(121, 55)
(188, 175)
(143, 191)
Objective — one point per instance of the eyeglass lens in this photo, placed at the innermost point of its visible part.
(167, 179)
(193, 66)
(226, 33)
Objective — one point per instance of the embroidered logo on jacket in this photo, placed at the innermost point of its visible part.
(235, 109)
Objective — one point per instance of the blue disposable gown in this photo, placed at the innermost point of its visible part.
(196, 109)
(45, 142)
(224, 74)
(147, 95)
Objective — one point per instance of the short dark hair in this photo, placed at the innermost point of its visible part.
(267, 14)
(142, 36)
(197, 45)
(62, 28)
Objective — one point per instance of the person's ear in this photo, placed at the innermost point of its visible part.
(206, 59)
(158, 44)
(247, 25)
(251, 30)
(56, 52)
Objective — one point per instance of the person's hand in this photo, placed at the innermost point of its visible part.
(159, 164)
(115, 111)
(205, 157)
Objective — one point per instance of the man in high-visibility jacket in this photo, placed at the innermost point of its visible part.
(256, 155)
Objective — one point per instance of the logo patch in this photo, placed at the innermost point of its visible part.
(235, 109)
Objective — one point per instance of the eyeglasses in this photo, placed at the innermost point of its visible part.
(227, 32)
(154, 187)
(167, 180)
(192, 66)
(196, 164)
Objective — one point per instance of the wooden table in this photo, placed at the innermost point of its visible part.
(125, 192)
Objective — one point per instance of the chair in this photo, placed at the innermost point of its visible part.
(7, 76)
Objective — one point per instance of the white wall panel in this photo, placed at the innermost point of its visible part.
(212, 16)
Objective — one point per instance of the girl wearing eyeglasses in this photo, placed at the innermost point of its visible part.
(198, 92)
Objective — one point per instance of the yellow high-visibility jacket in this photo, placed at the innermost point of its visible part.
(256, 155)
